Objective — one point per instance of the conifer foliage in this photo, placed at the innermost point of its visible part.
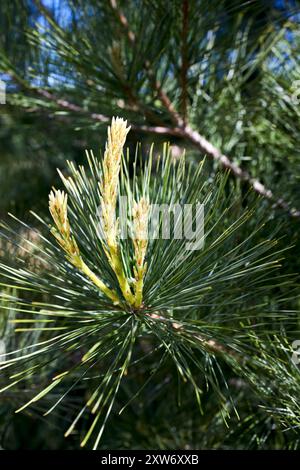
(150, 298)
(98, 298)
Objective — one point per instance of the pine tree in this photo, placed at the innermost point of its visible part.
(138, 342)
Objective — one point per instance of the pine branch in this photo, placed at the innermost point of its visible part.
(187, 134)
(180, 129)
(192, 306)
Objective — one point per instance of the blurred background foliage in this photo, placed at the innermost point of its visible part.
(226, 70)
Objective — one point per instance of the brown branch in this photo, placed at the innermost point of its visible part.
(184, 58)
